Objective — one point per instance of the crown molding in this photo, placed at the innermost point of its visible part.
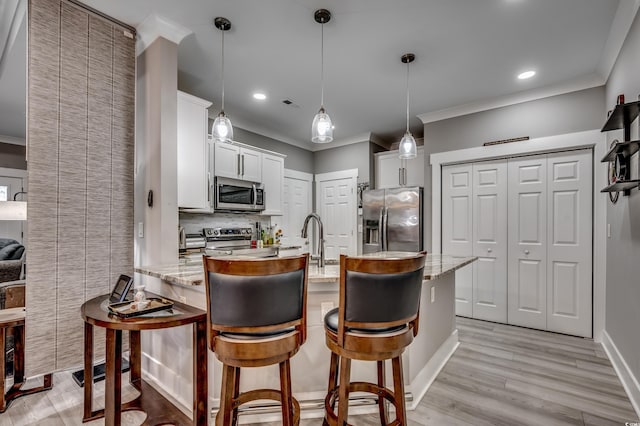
(362, 137)
(587, 82)
(622, 21)
(155, 26)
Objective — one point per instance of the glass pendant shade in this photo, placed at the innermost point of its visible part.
(222, 130)
(407, 149)
(321, 128)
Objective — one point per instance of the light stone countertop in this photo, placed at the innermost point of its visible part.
(191, 273)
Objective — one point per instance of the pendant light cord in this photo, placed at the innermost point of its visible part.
(222, 111)
(322, 66)
(407, 97)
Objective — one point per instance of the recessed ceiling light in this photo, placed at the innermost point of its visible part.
(259, 96)
(525, 75)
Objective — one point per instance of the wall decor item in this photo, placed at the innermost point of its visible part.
(613, 174)
(620, 153)
(523, 138)
(80, 127)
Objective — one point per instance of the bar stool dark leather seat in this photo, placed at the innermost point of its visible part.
(257, 316)
(376, 320)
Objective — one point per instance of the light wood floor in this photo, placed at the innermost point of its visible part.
(500, 375)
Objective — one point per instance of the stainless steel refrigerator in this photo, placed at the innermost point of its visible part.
(392, 219)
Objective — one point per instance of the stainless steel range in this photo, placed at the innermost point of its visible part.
(234, 241)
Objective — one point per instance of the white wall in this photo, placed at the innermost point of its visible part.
(623, 248)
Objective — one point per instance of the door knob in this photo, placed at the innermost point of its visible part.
(489, 250)
(526, 252)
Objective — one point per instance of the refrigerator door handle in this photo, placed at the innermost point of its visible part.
(384, 229)
(381, 230)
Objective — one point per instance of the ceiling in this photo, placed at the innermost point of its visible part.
(468, 52)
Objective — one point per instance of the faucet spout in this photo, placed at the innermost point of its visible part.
(304, 233)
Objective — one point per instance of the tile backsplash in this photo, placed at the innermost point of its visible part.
(194, 222)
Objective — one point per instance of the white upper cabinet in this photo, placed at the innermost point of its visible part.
(194, 166)
(392, 172)
(238, 162)
(273, 182)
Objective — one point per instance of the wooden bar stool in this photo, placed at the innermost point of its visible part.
(257, 316)
(376, 320)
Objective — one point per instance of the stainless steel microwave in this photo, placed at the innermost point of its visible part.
(237, 195)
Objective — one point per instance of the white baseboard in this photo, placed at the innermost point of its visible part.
(420, 385)
(629, 381)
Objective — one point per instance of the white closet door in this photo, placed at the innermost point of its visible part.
(527, 230)
(457, 229)
(569, 272)
(490, 240)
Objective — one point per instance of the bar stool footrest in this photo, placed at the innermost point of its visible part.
(331, 418)
(260, 394)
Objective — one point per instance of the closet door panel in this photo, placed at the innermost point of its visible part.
(569, 277)
(490, 240)
(527, 228)
(457, 229)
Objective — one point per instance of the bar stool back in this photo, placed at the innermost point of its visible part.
(376, 320)
(257, 317)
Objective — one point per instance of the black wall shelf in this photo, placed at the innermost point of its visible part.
(625, 148)
(619, 155)
(623, 113)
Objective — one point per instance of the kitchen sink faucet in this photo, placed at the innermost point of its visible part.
(321, 236)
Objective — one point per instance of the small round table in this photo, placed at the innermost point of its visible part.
(158, 409)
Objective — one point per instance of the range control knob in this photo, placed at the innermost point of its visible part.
(216, 232)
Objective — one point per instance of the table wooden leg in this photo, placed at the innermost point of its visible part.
(88, 371)
(135, 361)
(18, 354)
(113, 378)
(200, 374)
(3, 333)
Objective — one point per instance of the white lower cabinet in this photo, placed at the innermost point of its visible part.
(529, 222)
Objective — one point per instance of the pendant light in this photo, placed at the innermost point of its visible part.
(322, 128)
(407, 149)
(222, 131)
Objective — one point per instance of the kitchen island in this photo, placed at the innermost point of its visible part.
(435, 343)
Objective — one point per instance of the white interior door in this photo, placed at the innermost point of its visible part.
(457, 229)
(336, 203)
(569, 253)
(490, 240)
(297, 204)
(527, 233)
(12, 229)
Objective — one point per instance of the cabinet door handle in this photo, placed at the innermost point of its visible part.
(243, 165)
(209, 188)
(526, 252)
(400, 176)
(238, 169)
(489, 250)
(404, 175)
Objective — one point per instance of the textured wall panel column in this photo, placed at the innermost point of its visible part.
(80, 135)
(42, 212)
(72, 183)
